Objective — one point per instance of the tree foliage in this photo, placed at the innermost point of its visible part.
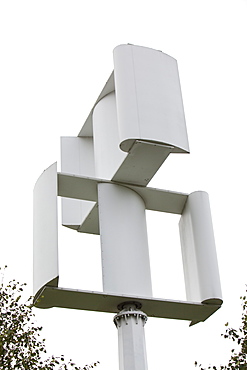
(238, 359)
(21, 346)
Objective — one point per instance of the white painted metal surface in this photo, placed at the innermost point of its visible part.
(149, 99)
(87, 128)
(142, 162)
(143, 159)
(146, 82)
(45, 238)
(77, 158)
(198, 250)
(131, 338)
(124, 244)
(108, 155)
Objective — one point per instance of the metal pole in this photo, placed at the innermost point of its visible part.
(130, 323)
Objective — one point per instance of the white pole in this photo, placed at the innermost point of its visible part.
(131, 338)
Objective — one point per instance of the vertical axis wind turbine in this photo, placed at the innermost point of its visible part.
(136, 123)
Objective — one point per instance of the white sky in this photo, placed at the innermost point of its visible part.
(55, 57)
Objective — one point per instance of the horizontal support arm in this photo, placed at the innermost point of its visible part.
(85, 188)
(103, 302)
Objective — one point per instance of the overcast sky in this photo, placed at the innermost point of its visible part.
(55, 59)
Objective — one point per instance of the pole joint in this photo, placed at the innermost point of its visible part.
(128, 311)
